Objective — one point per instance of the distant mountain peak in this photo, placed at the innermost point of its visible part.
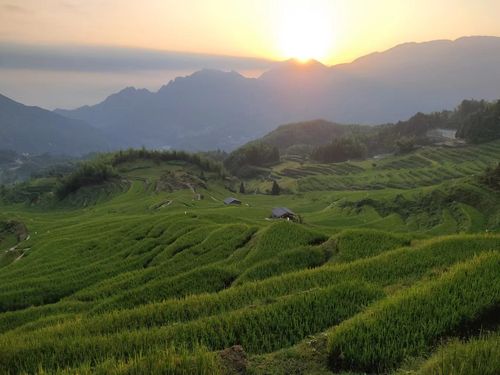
(215, 73)
(295, 64)
(220, 109)
(28, 129)
(204, 76)
(128, 93)
(304, 64)
(132, 90)
(296, 68)
(411, 48)
(127, 90)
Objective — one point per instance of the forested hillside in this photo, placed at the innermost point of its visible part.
(16, 167)
(471, 122)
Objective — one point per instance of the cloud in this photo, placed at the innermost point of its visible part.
(12, 8)
(111, 59)
(70, 6)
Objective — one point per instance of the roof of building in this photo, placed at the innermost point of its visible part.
(232, 200)
(282, 211)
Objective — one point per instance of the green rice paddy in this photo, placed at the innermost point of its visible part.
(395, 268)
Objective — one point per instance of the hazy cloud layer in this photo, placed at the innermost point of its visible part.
(14, 8)
(71, 76)
(112, 59)
(69, 89)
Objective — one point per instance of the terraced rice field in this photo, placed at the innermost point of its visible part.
(395, 267)
(426, 167)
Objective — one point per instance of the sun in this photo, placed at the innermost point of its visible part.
(305, 32)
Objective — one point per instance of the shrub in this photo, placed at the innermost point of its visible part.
(275, 190)
(491, 177)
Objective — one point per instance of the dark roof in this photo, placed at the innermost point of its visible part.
(282, 211)
(232, 200)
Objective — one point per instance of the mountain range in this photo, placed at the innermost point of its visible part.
(215, 109)
(35, 130)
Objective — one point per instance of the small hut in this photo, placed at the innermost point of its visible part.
(232, 201)
(283, 213)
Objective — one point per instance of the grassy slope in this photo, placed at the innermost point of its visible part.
(157, 270)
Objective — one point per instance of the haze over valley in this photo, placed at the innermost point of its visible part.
(212, 109)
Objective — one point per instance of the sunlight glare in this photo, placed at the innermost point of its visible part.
(305, 31)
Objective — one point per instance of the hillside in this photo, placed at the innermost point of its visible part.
(36, 131)
(472, 122)
(141, 268)
(311, 133)
(213, 109)
(16, 167)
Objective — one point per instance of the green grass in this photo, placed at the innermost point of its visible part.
(282, 236)
(356, 244)
(478, 356)
(266, 328)
(287, 261)
(164, 362)
(388, 270)
(137, 276)
(410, 323)
(425, 167)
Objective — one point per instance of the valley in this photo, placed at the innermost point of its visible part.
(286, 187)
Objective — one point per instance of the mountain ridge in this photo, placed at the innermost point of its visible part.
(217, 109)
(34, 130)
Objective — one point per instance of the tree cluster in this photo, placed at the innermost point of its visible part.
(88, 174)
(256, 154)
(479, 121)
(340, 149)
(491, 177)
(156, 156)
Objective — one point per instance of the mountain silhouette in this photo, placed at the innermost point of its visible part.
(214, 109)
(35, 130)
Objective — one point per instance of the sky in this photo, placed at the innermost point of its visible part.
(331, 31)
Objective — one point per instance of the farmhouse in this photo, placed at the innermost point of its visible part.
(232, 201)
(283, 213)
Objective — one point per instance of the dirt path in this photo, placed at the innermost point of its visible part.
(191, 187)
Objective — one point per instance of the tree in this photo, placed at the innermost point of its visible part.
(242, 188)
(254, 154)
(89, 173)
(491, 177)
(405, 145)
(479, 121)
(340, 149)
(275, 190)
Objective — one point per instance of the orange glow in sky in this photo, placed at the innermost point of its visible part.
(305, 31)
(332, 31)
